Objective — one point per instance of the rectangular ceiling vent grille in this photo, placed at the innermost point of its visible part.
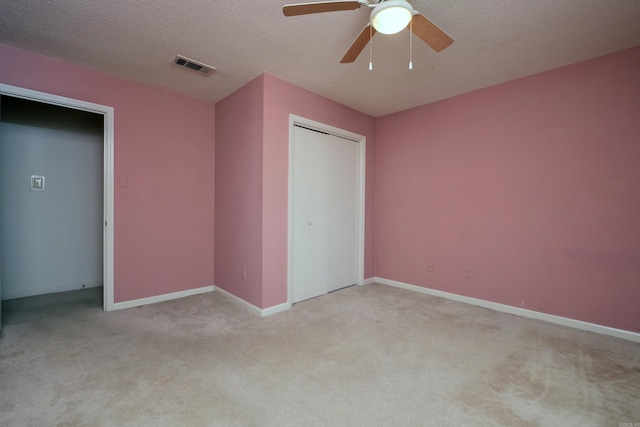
(192, 65)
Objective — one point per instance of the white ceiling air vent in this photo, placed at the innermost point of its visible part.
(192, 65)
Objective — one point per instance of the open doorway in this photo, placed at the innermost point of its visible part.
(50, 197)
(87, 115)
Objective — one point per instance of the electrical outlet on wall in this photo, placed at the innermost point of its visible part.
(468, 272)
(431, 267)
(243, 273)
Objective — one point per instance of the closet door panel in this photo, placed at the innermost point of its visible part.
(321, 240)
(335, 205)
(349, 232)
(306, 279)
(324, 224)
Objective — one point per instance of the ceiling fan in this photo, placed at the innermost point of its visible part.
(387, 17)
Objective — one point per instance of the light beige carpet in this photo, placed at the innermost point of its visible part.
(363, 356)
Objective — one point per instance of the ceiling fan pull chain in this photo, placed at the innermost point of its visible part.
(370, 47)
(411, 44)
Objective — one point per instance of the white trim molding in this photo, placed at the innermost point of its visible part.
(275, 309)
(262, 312)
(369, 281)
(108, 190)
(522, 312)
(161, 298)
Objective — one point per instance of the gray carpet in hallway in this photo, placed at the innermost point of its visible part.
(363, 356)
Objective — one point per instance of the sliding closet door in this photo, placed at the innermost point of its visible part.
(324, 226)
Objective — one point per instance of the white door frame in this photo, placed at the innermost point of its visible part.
(362, 141)
(107, 112)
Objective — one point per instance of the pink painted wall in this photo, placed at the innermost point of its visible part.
(238, 192)
(252, 163)
(533, 183)
(164, 144)
(281, 99)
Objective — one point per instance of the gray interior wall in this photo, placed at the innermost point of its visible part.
(51, 240)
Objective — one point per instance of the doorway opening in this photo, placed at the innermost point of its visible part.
(105, 233)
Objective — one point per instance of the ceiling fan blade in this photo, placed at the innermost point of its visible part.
(430, 33)
(319, 7)
(359, 44)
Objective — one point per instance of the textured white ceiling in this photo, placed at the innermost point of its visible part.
(495, 41)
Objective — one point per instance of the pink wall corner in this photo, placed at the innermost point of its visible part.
(238, 192)
(281, 100)
(164, 145)
(532, 183)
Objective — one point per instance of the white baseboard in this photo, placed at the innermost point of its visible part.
(522, 312)
(160, 298)
(262, 312)
(275, 309)
(369, 281)
(8, 294)
(239, 301)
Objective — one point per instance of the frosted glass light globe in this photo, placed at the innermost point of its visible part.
(392, 16)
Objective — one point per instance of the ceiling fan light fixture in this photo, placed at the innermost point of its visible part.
(391, 16)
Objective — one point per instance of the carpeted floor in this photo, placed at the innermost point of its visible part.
(363, 356)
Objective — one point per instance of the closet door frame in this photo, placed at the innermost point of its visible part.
(108, 179)
(362, 151)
